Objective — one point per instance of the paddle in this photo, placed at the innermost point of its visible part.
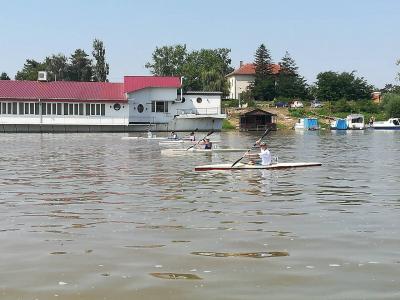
(210, 133)
(255, 144)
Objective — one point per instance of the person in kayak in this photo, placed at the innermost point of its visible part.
(173, 136)
(192, 137)
(264, 154)
(207, 144)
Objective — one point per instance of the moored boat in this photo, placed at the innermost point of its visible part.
(242, 166)
(307, 124)
(355, 121)
(391, 124)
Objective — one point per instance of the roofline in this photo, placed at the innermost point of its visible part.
(202, 93)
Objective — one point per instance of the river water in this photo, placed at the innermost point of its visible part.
(91, 216)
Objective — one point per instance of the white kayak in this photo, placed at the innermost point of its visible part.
(242, 166)
(179, 142)
(197, 150)
(143, 138)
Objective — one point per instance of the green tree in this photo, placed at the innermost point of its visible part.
(391, 104)
(333, 86)
(57, 66)
(289, 83)
(212, 81)
(263, 87)
(30, 70)
(100, 68)
(80, 68)
(4, 76)
(168, 60)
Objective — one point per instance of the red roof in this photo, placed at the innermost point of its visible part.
(62, 90)
(249, 69)
(135, 83)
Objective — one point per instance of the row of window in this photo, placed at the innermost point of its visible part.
(23, 108)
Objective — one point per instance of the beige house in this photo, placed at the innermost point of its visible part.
(242, 77)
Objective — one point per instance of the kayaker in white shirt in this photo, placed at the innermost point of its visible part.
(264, 154)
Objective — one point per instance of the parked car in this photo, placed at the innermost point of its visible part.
(316, 104)
(296, 104)
(281, 104)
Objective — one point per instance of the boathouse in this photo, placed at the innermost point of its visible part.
(257, 119)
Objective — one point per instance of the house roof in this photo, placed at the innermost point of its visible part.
(249, 69)
(135, 83)
(257, 112)
(62, 90)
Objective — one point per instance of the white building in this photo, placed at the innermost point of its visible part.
(240, 79)
(139, 102)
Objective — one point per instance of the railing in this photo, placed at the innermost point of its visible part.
(199, 111)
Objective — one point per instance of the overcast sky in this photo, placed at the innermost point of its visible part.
(336, 35)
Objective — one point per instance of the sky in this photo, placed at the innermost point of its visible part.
(331, 35)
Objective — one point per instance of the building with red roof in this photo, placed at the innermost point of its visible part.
(241, 78)
(95, 106)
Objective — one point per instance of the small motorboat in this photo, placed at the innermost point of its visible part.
(391, 124)
(307, 124)
(339, 124)
(355, 121)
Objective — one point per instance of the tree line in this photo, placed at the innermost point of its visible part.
(79, 66)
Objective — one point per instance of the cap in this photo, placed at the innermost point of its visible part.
(262, 144)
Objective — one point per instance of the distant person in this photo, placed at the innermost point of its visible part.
(207, 144)
(173, 136)
(149, 134)
(192, 137)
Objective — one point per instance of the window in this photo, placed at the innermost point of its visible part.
(159, 106)
(44, 108)
(103, 109)
(14, 108)
(140, 108)
(21, 108)
(98, 109)
(92, 109)
(199, 100)
(80, 109)
(9, 108)
(59, 106)
(65, 109)
(54, 108)
(117, 106)
(27, 108)
(4, 108)
(49, 108)
(32, 108)
(76, 109)
(88, 109)
(71, 109)
(36, 108)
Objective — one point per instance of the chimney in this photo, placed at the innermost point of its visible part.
(241, 64)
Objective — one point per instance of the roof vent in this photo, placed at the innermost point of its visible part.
(42, 76)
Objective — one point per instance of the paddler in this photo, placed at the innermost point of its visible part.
(207, 144)
(192, 137)
(173, 136)
(264, 154)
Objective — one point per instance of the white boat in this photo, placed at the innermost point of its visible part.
(391, 124)
(180, 142)
(307, 124)
(242, 166)
(355, 121)
(143, 138)
(197, 150)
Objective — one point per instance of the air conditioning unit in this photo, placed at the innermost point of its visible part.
(42, 76)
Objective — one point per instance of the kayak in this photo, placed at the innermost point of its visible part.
(242, 166)
(178, 142)
(196, 150)
(143, 138)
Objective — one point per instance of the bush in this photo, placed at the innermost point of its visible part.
(298, 112)
(226, 125)
(341, 106)
(391, 104)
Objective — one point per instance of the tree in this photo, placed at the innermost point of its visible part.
(80, 68)
(289, 83)
(101, 68)
(57, 66)
(212, 81)
(333, 86)
(391, 104)
(168, 60)
(263, 87)
(30, 70)
(4, 76)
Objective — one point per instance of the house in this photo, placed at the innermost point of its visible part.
(376, 96)
(133, 105)
(257, 119)
(240, 79)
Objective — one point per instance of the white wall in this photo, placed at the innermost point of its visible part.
(239, 84)
(111, 117)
